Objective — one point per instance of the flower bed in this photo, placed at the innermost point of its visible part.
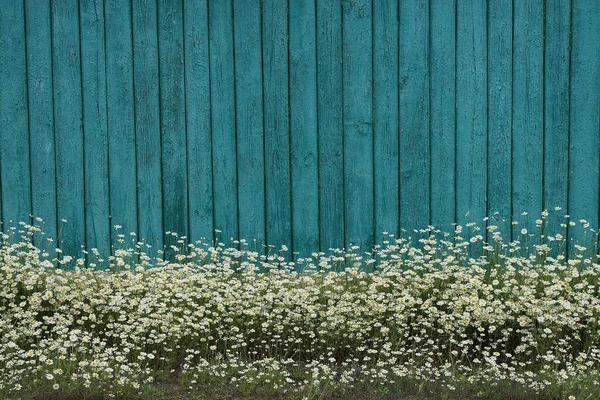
(525, 323)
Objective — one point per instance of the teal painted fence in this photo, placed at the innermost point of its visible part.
(311, 123)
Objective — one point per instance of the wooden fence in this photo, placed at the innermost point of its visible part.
(311, 123)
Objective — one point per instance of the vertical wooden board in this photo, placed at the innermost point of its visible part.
(528, 80)
(93, 73)
(584, 143)
(385, 117)
(121, 116)
(173, 128)
(443, 112)
(147, 123)
(249, 121)
(41, 118)
(1, 219)
(414, 115)
(276, 120)
(358, 122)
(330, 124)
(303, 125)
(500, 116)
(222, 100)
(68, 125)
(197, 97)
(14, 125)
(471, 108)
(556, 112)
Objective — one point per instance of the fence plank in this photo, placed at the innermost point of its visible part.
(147, 124)
(528, 112)
(197, 98)
(414, 115)
(556, 112)
(95, 126)
(303, 127)
(173, 129)
(223, 118)
(330, 125)
(249, 121)
(385, 117)
(276, 120)
(471, 109)
(499, 147)
(357, 59)
(584, 143)
(68, 125)
(41, 118)
(14, 124)
(443, 113)
(121, 117)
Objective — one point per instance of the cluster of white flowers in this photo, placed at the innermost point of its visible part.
(425, 309)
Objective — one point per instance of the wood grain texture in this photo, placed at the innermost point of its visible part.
(556, 111)
(357, 64)
(584, 141)
(14, 117)
(197, 99)
(499, 148)
(276, 123)
(303, 127)
(95, 125)
(41, 116)
(331, 128)
(443, 113)
(173, 119)
(222, 98)
(385, 118)
(147, 124)
(249, 121)
(121, 116)
(528, 114)
(68, 126)
(309, 123)
(415, 142)
(471, 112)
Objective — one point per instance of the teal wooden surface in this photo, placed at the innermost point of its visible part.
(357, 61)
(385, 118)
(147, 123)
(313, 124)
(121, 117)
(443, 112)
(41, 117)
(249, 121)
(584, 141)
(14, 124)
(471, 112)
(68, 125)
(276, 124)
(173, 123)
(331, 128)
(415, 121)
(556, 112)
(95, 126)
(197, 98)
(222, 100)
(528, 141)
(499, 147)
(303, 127)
